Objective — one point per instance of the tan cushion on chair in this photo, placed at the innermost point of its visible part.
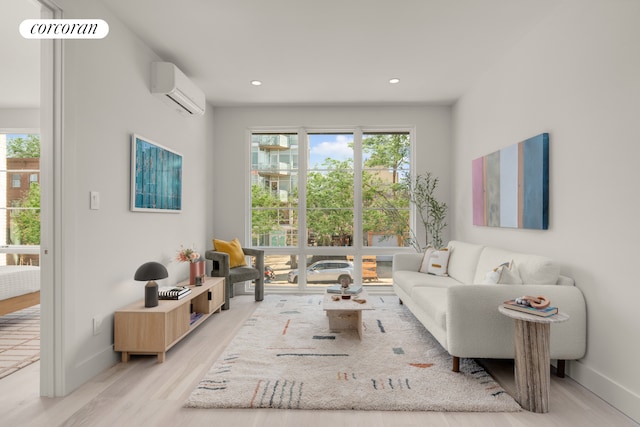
(234, 249)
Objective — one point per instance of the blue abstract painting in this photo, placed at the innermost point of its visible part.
(156, 177)
(511, 186)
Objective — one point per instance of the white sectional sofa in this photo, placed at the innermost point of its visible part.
(461, 311)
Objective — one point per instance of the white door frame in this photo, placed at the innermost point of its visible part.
(52, 367)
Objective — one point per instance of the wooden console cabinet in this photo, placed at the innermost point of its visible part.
(154, 330)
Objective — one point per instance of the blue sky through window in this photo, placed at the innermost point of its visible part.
(329, 146)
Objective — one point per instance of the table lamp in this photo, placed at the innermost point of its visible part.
(151, 271)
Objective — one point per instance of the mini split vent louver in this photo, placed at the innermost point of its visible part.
(176, 90)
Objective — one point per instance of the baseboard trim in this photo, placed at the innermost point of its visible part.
(89, 368)
(608, 390)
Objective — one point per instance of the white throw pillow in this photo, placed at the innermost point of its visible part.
(438, 262)
(510, 275)
(493, 276)
(424, 266)
(504, 274)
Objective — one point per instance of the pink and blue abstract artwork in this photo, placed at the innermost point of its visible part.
(511, 186)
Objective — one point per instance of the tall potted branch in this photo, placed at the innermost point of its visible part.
(432, 211)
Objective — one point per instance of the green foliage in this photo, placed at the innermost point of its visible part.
(387, 151)
(432, 212)
(19, 148)
(264, 213)
(27, 221)
(385, 206)
(330, 202)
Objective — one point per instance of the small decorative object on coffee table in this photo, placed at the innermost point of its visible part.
(532, 370)
(346, 314)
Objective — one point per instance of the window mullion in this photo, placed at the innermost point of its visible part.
(357, 202)
(303, 149)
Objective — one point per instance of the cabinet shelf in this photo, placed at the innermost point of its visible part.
(154, 330)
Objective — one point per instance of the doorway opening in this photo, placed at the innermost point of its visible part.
(31, 104)
(19, 251)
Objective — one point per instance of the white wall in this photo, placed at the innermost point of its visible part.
(577, 76)
(432, 128)
(18, 119)
(106, 99)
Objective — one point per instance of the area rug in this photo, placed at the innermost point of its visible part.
(19, 340)
(286, 357)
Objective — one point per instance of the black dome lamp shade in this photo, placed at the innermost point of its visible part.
(151, 271)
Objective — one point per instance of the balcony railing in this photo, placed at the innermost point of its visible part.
(277, 169)
(274, 142)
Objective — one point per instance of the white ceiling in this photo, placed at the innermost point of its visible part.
(325, 52)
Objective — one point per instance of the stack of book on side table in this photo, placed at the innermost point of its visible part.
(173, 292)
(542, 312)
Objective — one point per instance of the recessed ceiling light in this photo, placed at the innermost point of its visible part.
(394, 81)
(256, 82)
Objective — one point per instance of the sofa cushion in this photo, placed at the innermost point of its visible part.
(407, 261)
(533, 269)
(463, 259)
(432, 301)
(409, 280)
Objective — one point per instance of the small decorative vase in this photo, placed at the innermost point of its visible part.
(196, 273)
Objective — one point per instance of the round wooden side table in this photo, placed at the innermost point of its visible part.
(532, 362)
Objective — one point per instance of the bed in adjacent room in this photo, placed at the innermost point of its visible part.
(19, 287)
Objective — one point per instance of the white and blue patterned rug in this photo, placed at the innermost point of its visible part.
(285, 357)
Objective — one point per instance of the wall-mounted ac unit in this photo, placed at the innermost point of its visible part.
(176, 90)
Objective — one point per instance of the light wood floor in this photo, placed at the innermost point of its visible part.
(145, 393)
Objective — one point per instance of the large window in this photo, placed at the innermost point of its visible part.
(327, 206)
(20, 199)
(274, 190)
(330, 195)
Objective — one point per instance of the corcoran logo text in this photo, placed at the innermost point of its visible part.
(64, 29)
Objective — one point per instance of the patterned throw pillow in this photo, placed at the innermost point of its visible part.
(438, 262)
(424, 266)
(234, 249)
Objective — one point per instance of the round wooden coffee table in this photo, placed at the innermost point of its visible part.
(532, 362)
